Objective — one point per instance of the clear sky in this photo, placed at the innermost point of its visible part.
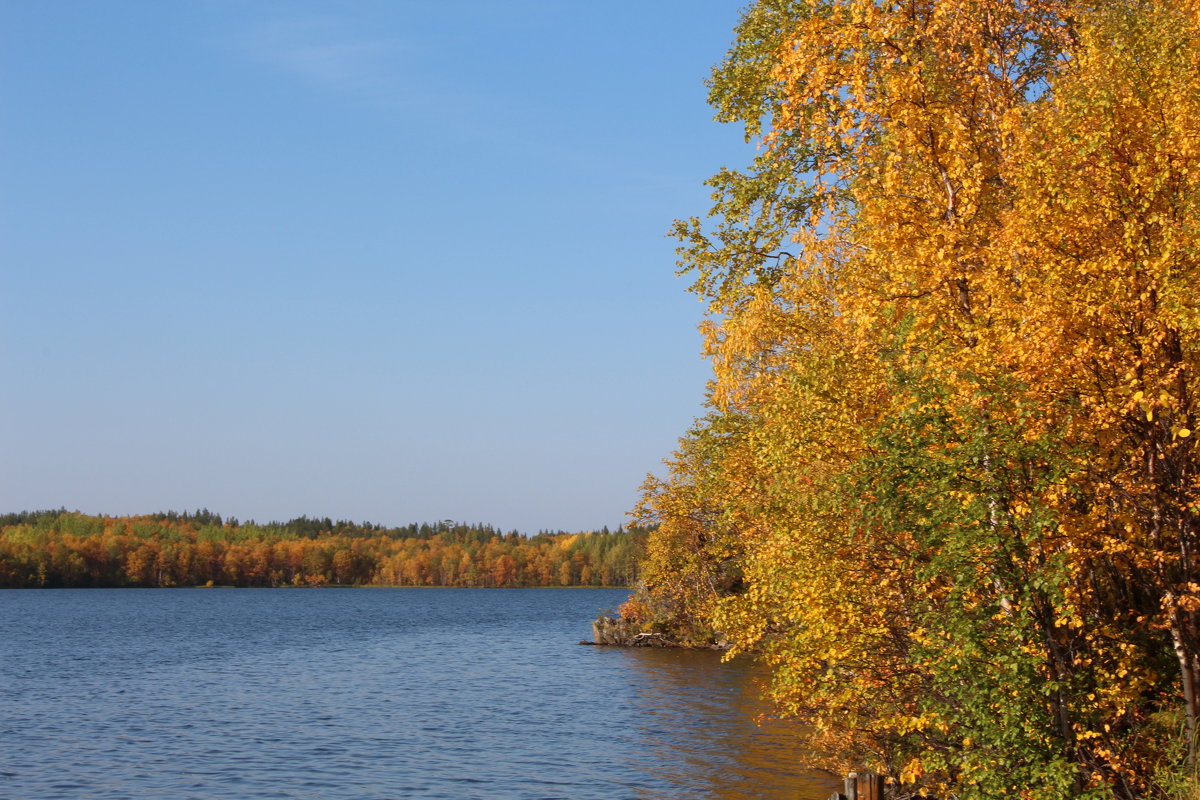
(383, 260)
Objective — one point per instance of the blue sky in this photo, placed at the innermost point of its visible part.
(395, 261)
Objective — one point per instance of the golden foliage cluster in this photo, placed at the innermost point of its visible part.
(949, 487)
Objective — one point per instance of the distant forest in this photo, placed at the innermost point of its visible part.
(72, 550)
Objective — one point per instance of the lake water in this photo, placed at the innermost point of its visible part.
(326, 694)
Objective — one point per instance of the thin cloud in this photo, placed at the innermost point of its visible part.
(397, 73)
(328, 53)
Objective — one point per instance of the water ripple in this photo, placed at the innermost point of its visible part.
(332, 694)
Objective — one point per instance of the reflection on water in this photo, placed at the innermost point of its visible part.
(724, 750)
(385, 694)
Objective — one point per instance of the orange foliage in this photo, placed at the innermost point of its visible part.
(67, 550)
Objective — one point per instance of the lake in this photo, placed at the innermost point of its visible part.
(326, 694)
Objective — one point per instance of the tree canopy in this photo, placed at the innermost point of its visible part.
(69, 549)
(948, 483)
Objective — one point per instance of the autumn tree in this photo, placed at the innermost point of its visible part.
(62, 549)
(953, 325)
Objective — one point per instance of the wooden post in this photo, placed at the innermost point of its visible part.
(870, 786)
(852, 786)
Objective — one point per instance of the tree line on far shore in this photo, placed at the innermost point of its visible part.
(61, 549)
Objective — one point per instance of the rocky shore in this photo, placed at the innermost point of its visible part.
(614, 631)
(618, 632)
